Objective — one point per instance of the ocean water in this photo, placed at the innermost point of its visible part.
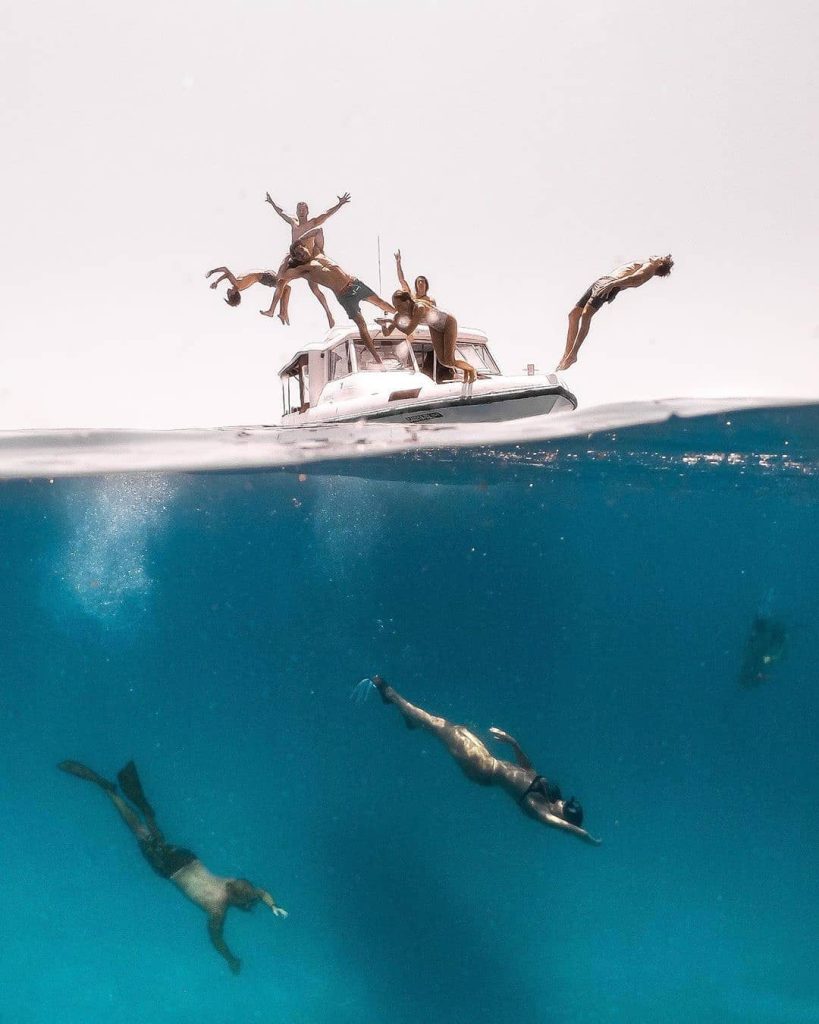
(596, 597)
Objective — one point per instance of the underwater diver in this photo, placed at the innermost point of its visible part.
(215, 895)
(536, 796)
(763, 648)
(606, 289)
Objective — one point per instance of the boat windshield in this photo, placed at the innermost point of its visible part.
(479, 355)
(474, 352)
(397, 356)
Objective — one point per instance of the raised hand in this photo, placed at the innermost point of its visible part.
(267, 199)
(343, 199)
(398, 256)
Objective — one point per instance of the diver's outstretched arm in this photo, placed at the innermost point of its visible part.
(284, 216)
(268, 901)
(400, 271)
(540, 812)
(314, 288)
(322, 217)
(504, 737)
(226, 275)
(215, 924)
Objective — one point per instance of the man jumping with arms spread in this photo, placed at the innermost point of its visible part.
(300, 225)
(606, 289)
(215, 895)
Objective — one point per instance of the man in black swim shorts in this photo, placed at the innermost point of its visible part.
(215, 895)
(606, 289)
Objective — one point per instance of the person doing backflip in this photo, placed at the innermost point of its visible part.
(606, 289)
(301, 225)
(215, 895)
(348, 290)
(238, 284)
(537, 797)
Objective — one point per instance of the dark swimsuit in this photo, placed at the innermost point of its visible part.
(165, 858)
(537, 785)
(598, 293)
(353, 295)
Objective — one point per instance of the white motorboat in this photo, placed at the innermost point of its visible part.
(337, 380)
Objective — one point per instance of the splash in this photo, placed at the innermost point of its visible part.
(112, 521)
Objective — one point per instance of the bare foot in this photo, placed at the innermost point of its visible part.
(267, 312)
(214, 284)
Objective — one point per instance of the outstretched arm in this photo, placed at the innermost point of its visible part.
(226, 274)
(284, 216)
(281, 284)
(552, 819)
(215, 924)
(400, 270)
(268, 901)
(388, 325)
(322, 217)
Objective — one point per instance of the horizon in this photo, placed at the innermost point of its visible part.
(527, 159)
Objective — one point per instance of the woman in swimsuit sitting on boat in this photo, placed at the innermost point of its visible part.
(414, 310)
(536, 796)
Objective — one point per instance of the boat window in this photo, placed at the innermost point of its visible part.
(479, 355)
(339, 362)
(393, 356)
(297, 385)
(425, 357)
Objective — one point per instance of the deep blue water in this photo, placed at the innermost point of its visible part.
(212, 626)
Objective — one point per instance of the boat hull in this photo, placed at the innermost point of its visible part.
(497, 407)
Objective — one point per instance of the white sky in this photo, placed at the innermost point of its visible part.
(514, 151)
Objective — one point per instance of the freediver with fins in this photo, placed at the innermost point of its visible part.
(214, 894)
(535, 795)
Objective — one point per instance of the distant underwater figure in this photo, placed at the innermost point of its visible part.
(536, 796)
(215, 895)
(764, 647)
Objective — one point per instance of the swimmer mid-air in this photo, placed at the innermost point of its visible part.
(310, 232)
(534, 795)
(606, 289)
(238, 284)
(215, 895)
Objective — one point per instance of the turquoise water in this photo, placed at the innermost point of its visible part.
(596, 601)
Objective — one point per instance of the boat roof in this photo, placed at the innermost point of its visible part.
(337, 335)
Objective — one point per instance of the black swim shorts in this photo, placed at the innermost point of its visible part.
(351, 298)
(268, 279)
(164, 858)
(598, 293)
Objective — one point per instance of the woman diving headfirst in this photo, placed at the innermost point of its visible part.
(536, 796)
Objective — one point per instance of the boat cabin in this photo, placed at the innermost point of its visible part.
(323, 370)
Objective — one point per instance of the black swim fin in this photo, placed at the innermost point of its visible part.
(82, 772)
(130, 785)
